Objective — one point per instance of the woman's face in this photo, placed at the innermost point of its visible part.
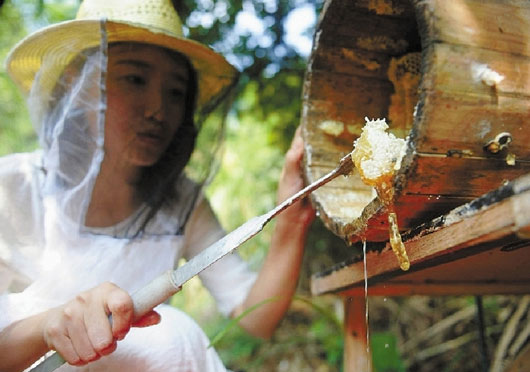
(146, 93)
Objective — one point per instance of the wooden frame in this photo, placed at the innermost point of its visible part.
(482, 247)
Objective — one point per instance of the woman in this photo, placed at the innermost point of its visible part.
(107, 205)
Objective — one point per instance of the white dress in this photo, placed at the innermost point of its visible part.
(42, 265)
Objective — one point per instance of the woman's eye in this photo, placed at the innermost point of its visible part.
(135, 79)
(176, 93)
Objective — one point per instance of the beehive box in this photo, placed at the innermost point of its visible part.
(452, 76)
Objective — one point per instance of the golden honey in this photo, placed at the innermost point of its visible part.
(377, 156)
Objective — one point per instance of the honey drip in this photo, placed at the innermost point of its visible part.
(396, 243)
(385, 191)
(382, 180)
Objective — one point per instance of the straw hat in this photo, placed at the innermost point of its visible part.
(147, 21)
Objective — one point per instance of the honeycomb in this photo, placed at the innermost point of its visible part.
(404, 73)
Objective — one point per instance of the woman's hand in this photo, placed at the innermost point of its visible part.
(291, 181)
(81, 330)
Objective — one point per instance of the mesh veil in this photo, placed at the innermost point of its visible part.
(70, 122)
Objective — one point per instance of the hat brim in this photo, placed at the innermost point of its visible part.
(58, 44)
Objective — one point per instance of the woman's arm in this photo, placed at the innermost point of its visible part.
(21, 343)
(79, 330)
(279, 275)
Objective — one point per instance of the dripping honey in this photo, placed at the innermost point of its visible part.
(380, 176)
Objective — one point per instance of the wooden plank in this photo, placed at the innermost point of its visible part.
(490, 272)
(413, 288)
(486, 223)
(458, 112)
(493, 24)
(357, 357)
(467, 123)
(453, 68)
(461, 176)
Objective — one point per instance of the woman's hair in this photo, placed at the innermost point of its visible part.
(157, 185)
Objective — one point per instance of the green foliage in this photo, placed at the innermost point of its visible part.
(308, 333)
(385, 355)
(237, 348)
(273, 78)
(16, 132)
(57, 11)
(17, 17)
(326, 333)
(233, 322)
(245, 185)
(276, 101)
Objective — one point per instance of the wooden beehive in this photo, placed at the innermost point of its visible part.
(451, 75)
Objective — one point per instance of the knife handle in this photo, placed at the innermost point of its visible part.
(154, 293)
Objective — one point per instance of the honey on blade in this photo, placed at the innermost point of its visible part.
(376, 156)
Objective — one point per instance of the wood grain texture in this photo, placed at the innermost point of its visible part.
(500, 25)
(478, 244)
(356, 351)
(446, 164)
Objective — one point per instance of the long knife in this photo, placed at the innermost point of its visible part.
(169, 283)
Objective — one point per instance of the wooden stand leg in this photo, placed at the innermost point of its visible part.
(357, 357)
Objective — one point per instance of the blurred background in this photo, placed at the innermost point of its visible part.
(270, 42)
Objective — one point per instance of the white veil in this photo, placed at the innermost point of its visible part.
(70, 119)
